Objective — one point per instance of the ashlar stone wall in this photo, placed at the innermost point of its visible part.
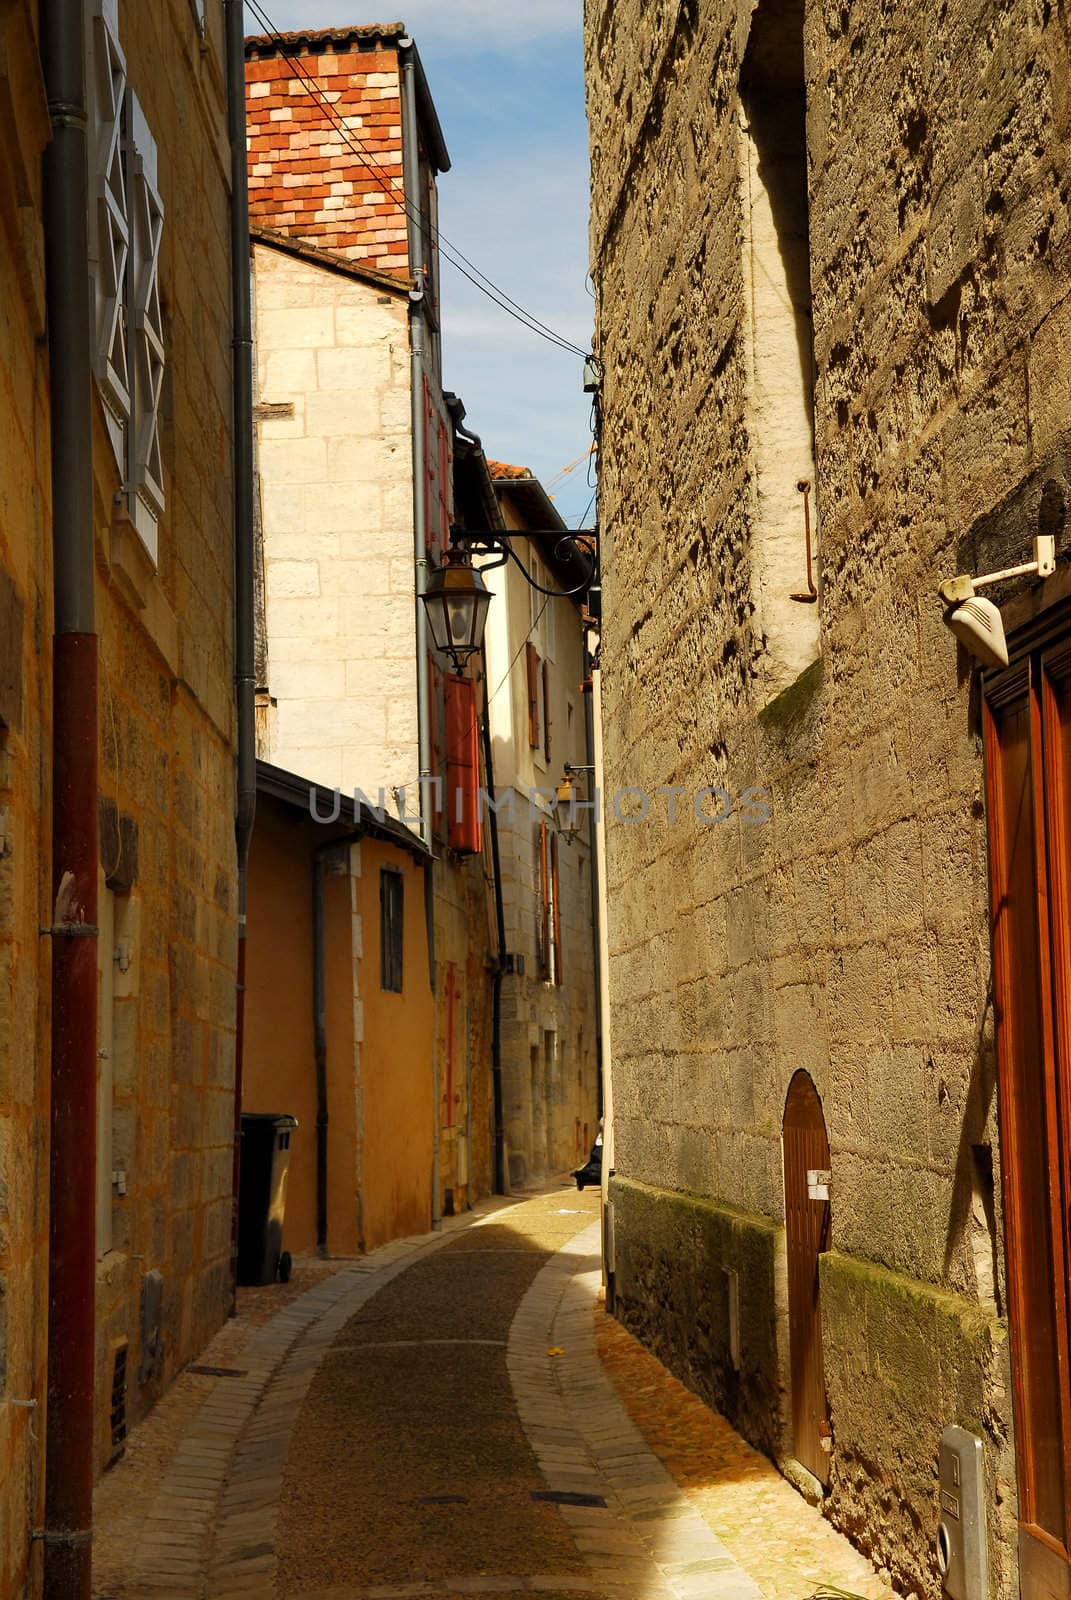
(848, 934)
(336, 488)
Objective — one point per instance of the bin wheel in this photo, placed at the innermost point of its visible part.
(285, 1267)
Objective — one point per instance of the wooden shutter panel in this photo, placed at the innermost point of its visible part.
(532, 659)
(546, 709)
(462, 766)
(555, 906)
(544, 886)
(435, 789)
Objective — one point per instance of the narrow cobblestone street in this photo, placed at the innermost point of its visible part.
(453, 1415)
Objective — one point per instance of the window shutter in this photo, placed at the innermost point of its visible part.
(532, 659)
(429, 518)
(555, 906)
(109, 222)
(546, 709)
(145, 343)
(444, 485)
(544, 887)
(462, 766)
(435, 789)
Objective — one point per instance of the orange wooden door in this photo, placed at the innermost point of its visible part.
(1028, 785)
(807, 1224)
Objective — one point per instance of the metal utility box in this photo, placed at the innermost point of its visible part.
(262, 1197)
(961, 1532)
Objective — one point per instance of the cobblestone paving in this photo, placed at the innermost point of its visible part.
(788, 1548)
(439, 1420)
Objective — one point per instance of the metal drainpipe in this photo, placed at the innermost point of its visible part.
(418, 349)
(501, 962)
(72, 1255)
(244, 628)
(596, 910)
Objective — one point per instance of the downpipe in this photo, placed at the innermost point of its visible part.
(68, 1513)
(501, 954)
(244, 629)
(418, 348)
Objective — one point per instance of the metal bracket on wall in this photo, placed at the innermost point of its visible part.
(811, 595)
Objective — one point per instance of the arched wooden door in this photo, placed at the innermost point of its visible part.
(806, 1158)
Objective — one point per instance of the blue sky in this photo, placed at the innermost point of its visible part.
(507, 80)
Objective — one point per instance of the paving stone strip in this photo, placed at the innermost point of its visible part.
(211, 1531)
(649, 1540)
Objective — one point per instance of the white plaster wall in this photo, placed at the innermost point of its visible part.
(337, 503)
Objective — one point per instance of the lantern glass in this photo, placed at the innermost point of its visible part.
(456, 601)
(566, 812)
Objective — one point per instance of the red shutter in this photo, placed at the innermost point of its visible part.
(532, 659)
(435, 790)
(430, 521)
(556, 906)
(444, 485)
(462, 798)
(546, 709)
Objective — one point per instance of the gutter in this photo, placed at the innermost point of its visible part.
(244, 627)
(502, 963)
(72, 1254)
(410, 78)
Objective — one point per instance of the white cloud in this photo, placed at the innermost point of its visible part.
(496, 22)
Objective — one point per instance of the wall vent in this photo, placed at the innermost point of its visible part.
(118, 1407)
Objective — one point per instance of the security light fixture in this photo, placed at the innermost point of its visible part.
(456, 601)
(975, 621)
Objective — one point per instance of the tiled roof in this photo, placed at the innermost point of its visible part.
(501, 469)
(306, 178)
(261, 44)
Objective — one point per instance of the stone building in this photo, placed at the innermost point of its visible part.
(158, 502)
(539, 719)
(831, 248)
(355, 448)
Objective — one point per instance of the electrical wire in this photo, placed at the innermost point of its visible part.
(450, 252)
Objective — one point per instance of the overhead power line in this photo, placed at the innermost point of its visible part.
(450, 252)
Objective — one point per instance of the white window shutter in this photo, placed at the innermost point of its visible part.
(145, 484)
(109, 225)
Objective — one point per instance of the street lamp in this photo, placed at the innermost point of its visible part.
(566, 809)
(456, 601)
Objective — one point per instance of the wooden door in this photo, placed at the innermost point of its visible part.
(1028, 786)
(807, 1224)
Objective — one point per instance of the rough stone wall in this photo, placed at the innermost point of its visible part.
(848, 934)
(336, 479)
(25, 715)
(167, 764)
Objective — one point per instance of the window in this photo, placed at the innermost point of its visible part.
(391, 918)
(125, 228)
(777, 275)
(546, 709)
(534, 695)
(462, 799)
(549, 938)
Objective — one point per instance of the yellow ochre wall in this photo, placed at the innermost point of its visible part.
(379, 1045)
(396, 1060)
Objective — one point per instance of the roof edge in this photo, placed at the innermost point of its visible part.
(273, 239)
(303, 794)
(267, 44)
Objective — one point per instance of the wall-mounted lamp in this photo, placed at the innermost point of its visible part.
(566, 808)
(975, 621)
(456, 601)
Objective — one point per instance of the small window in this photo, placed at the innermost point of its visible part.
(391, 912)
